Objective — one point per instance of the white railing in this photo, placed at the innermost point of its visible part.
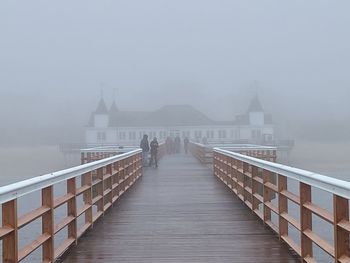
(252, 180)
(204, 152)
(102, 183)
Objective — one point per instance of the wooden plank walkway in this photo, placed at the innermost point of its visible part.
(180, 212)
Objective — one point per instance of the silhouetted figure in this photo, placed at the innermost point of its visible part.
(154, 152)
(169, 145)
(145, 149)
(204, 140)
(186, 142)
(177, 144)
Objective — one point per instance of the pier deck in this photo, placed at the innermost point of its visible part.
(179, 212)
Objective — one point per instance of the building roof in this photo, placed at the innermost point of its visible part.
(255, 105)
(170, 115)
(101, 108)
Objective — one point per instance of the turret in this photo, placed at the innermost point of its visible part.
(256, 113)
(101, 115)
(113, 112)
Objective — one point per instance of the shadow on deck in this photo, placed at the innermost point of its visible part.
(180, 213)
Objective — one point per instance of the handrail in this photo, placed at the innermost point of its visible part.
(102, 182)
(204, 152)
(108, 148)
(16, 190)
(264, 187)
(326, 183)
(235, 146)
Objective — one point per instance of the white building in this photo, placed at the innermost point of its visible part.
(112, 126)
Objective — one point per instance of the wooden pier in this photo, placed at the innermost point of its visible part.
(179, 212)
(214, 205)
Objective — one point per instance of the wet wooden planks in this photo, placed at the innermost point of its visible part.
(180, 213)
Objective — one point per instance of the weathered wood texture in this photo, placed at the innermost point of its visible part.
(180, 213)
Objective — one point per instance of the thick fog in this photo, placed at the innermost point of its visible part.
(56, 56)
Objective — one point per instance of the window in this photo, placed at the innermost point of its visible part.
(237, 135)
(163, 134)
(101, 136)
(186, 134)
(256, 134)
(132, 135)
(210, 134)
(198, 134)
(122, 135)
(222, 134)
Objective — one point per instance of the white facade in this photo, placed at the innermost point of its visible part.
(253, 129)
(132, 135)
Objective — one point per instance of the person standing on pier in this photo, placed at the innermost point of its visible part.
(154, 152)
(177, 144)
(144, 145)
(186, 142)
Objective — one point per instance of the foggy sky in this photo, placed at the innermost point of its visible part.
(56, 55)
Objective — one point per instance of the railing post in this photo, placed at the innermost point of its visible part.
(305, 220)
(266, 195)
(99, 190)
(341, 236)
(109, 183)
(48, 225)
(10, 241)
(87, 197)
(255, 203)
(72, 209)
(282, 205)
(82, 158)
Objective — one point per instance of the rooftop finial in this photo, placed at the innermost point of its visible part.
(102, 85)
(115, 93)
(256, 88)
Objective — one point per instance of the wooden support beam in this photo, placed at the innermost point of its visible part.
(87, 197)
(267, 194)
(48, 247)
(282, 206)
(341, 236)
(72, 209)
(100, 190)
(255, 188)
(305, 220)
(10, 241)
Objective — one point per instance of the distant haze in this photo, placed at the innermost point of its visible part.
(56, 56)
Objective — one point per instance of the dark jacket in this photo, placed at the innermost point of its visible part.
(144, 145)
(154, 146)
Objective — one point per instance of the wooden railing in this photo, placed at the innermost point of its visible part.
(250, 179)
(204, 153)
(97, 153)
(201, 152)
(101, 183)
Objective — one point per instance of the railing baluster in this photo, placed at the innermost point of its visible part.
(10, 241)
(255, 203)
(72, 209)
(87, 197)
(47, 199)
(341, 236)
(305, 220)
(99, 190)
(282, 205)
(266, 195)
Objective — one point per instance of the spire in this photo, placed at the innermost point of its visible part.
(255, 105)
(113, 109)
(101, 108)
